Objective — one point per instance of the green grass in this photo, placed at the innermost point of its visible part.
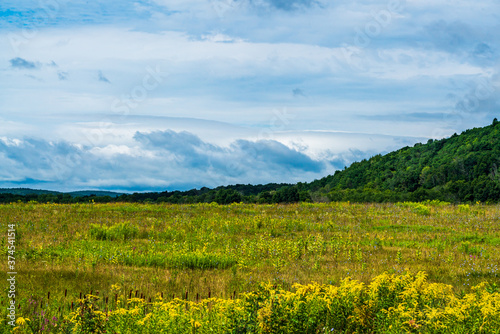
(224, 250)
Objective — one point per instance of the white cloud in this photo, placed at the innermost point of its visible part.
(156, 159)
(221, 69)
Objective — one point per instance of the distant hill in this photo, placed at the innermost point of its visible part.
(94, 193)
(461, 168)
(82, 193)
(27, 191)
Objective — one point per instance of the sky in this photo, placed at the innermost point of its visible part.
(157, 95)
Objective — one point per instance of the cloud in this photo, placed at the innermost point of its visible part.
(190, 151)
(298, 92)
(460, 39)
(186, 148)
(23, 64)
(450, 36)
(177, 142)
(340, 161)
(37, 159)
(484, 54)
(287, 5)
(169, 160)
(278, 156)
(483, 50)
(103, 78)
(62, 75)
(407, 117)
(155, 161)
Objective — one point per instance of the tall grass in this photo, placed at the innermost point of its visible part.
(204, 248)
(119, 231)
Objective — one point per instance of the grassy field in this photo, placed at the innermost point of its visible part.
(188, 253)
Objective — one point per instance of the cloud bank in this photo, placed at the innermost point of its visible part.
(155, 161)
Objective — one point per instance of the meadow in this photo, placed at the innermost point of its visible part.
(208, 268)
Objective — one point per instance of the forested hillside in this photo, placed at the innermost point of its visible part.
(458, 169)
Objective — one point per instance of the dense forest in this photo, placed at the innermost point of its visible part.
(461, 168)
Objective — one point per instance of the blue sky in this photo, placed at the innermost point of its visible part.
(177, 94)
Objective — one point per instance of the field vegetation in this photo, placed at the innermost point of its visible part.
(209, 268)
